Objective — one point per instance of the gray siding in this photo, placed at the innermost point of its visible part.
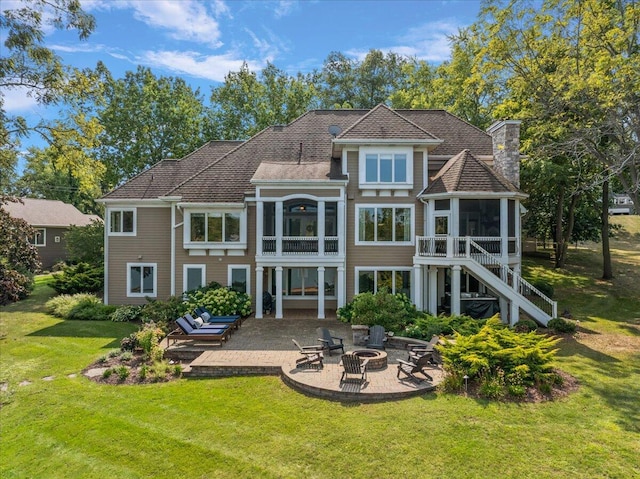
(53, 252)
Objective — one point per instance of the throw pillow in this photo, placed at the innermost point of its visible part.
(199, 322)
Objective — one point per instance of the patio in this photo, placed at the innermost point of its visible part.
(264, 346)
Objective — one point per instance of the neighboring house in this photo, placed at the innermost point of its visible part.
(51, 220)
(336, 203)
(621, 205)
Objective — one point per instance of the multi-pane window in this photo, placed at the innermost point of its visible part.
(393, 280)
(215, 227)
(39, 237)
(304, 282)
(384, 224)
(386, 167)
(122, 222)
(141, 279)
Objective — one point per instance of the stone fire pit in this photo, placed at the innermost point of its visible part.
(377, 359)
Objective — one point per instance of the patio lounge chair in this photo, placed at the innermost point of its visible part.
(328, 342)
(185, 331)
(311, 356)
(376, 337)
(204, 313)
(355, 365)
(410, 369)
(418, 350)
(192, 322)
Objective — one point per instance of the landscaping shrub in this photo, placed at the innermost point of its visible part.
(149, 340)
(126, 313)
(525, 326)
(544, 287)
(14, 285)
(560, 325)
(425, 326)
(80, 278)
(392, 311)
(129, 343)
(81, 306)
(161, 313)
(498, 357)
(219, 301)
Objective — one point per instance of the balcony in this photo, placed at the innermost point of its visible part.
(456, 247)
(300, 246)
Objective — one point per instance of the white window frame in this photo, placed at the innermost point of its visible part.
(376, 269)
(295, 297)
(43, 237)
(240, 244)
(122, 210)
(155, 280)
(246, 268)
(412, 233)
(203, 274)
(389, 150)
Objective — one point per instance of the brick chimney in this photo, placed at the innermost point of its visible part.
(506, 149)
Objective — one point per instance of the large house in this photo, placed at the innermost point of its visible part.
(336, 203)
(51, 219)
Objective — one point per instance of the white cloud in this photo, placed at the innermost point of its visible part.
(269, 47)
(187, 20)
(284, 8)
(429, 41)
(209, 67)
(16, 100)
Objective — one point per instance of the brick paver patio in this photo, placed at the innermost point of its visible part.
(264, 346)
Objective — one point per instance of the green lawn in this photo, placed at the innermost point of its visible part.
(67, 426)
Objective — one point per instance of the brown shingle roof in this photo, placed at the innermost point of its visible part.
(222, 171)
(382, 123)
(464, 172)
(269, 171)
(52, 213)
(167, 174)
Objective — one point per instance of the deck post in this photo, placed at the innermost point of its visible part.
(278, 292)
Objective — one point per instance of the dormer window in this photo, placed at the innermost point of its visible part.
(386, 167)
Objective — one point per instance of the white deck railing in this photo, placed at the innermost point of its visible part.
(299, 245)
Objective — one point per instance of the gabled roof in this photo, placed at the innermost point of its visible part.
(465, 173)
(167, 174)
(221, 172)
(382, 123)
(51, 213)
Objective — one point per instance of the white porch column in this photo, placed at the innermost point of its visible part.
(514, 313)
(433, 290)
(342, 241)
(259, 226)
(320, 292)
(454, 227)
(279, 289)
(518, 225)
(320, 232)
(259, 289)
(279, 228)
(416, 291)
(341, 290)
(455, 289)
(504, 310)
(504, 230)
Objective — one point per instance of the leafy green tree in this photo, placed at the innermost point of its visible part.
(246, 102)
(27, 64)
(570, 70)
(85, 244)
(144, 119)
(18, 257)
(345, 82)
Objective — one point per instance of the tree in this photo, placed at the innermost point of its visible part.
(246, 103)
(28, 65)
(18, 257)
(85, 244)
(145, 119)
(344, 82)
(570, 68)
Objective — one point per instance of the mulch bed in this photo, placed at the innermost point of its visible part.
(95, 371)
(533, 395)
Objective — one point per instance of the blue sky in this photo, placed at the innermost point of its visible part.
(201, 41)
